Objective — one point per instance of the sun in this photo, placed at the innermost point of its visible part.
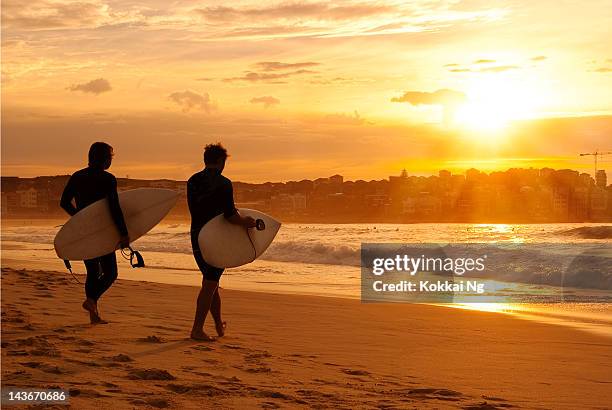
(493, 102)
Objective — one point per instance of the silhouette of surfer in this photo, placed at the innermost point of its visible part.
(210, 194)
(85, 187)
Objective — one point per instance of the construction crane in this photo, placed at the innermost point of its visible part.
(595, 155)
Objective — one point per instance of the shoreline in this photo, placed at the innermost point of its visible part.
(597, 324)
(288, 350)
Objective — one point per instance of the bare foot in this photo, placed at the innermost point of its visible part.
(221, 328)
(96, 319)
(90, 306)
(201, 336)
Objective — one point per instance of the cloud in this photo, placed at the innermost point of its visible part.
(188, 100)
(278, 66)
(603, 70)
(42, 15)
(484, 61)
(498, 68)
(344, 119)
(252, 76)
(205, 79)
(443, 97)
(491, 69)
(538, 58)
(267, 101)
(297, 10)
(97, 86)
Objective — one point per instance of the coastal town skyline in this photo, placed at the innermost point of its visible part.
(516, 195)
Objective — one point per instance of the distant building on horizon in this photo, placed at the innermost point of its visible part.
(601, 179)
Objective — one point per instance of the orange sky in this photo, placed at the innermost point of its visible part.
(303, 89)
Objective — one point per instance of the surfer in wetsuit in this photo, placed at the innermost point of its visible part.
(210, 194)
(87, 186)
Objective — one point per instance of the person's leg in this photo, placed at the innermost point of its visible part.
(108, 266)
(92, 284)
(215, 310)
(208, 298)
(205, 298)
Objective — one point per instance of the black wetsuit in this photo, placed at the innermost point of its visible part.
(87, 186)
(208, 194)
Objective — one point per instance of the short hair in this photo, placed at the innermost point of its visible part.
(213, 153)
(99, 153)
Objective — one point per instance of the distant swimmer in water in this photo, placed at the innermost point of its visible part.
(210, 194)
(85, 187)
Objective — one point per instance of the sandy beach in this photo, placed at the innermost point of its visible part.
(288, 351)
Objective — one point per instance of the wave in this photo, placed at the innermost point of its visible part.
(327, 254)
(343, 247)
(590, 232)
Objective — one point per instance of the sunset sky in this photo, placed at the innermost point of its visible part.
(303, 89)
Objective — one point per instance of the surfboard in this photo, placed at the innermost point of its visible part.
(226, 245)
(91, 232)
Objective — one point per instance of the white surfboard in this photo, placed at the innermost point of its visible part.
(226, 245)
(92, 232)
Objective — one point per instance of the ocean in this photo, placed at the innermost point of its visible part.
(324, 260)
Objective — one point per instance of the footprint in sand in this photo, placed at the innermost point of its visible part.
(17, 353)
(47, 368)
(352, 372)
(121, 358)
(435, 394)
(278, 395)
(255, 357)
(150, 374)
(486, 406)
(303, 356)
(235, 347)
(202, 348)
(151, 339)
(83, 363)
(40, 346)
(257, 369)
(196, 389)
(152, 402)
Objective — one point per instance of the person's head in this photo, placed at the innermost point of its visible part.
(100, 155)
(215, 156)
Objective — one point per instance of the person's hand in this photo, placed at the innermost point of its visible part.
(249, 222)
(124, 241)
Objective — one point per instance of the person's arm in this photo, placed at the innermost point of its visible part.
(191, 196)
(231, 213)
(117, 214)
(67, 197)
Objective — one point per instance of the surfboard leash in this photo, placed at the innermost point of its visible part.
(260, 225)
(140, 263)
(69, 267)
(252, 244)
